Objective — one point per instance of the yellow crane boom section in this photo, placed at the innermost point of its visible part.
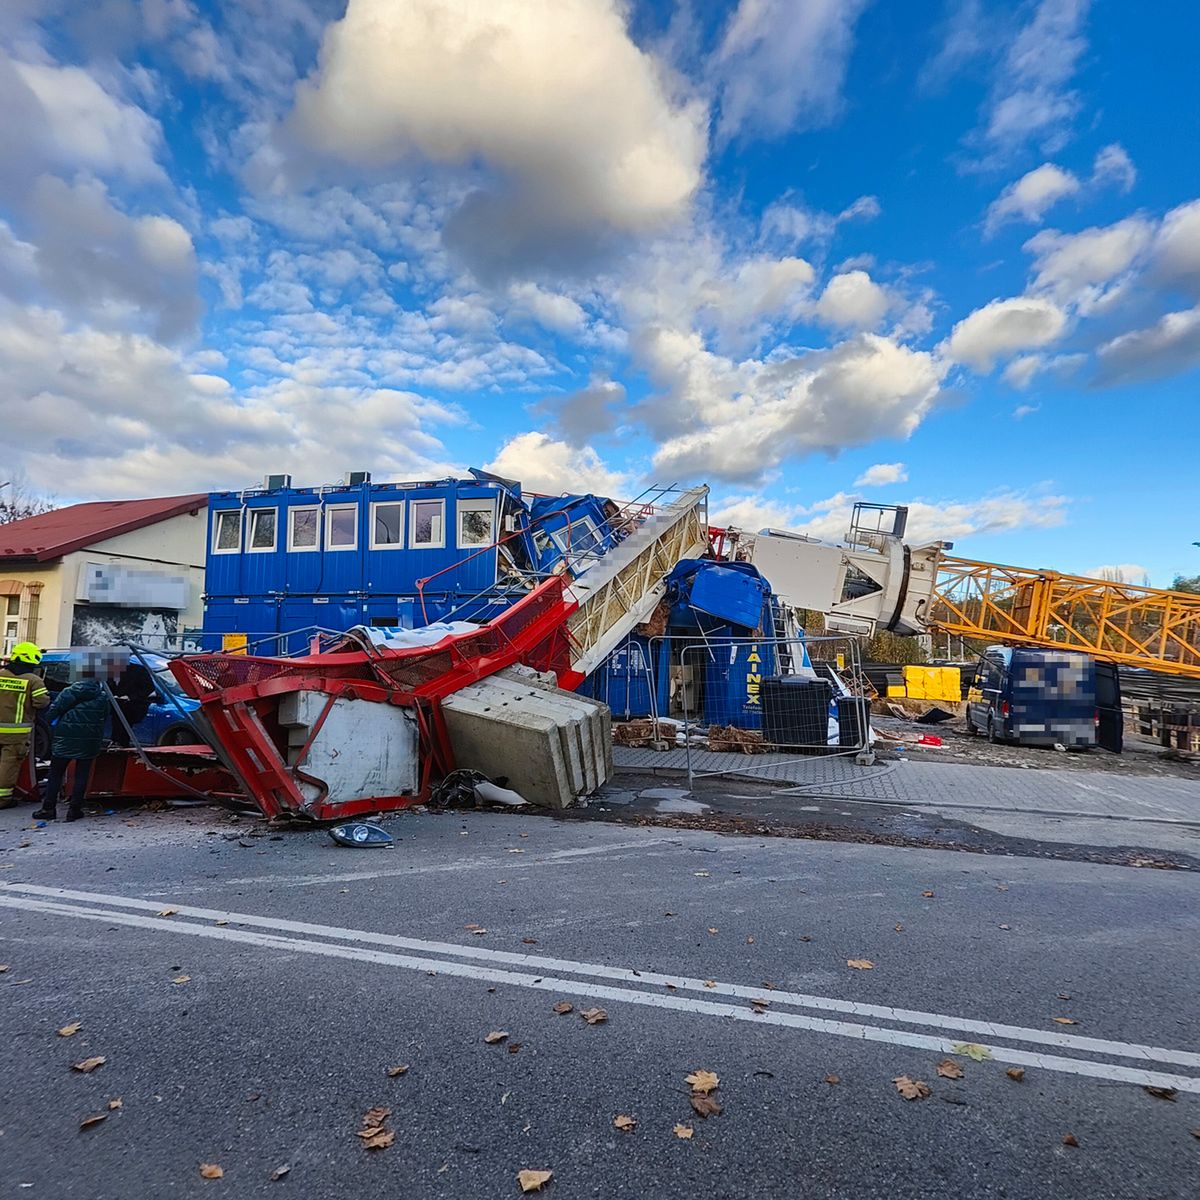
(1135, 626)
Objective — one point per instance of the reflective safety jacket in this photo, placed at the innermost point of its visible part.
(20, 695)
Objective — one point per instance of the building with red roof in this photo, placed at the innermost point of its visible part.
(105, 571)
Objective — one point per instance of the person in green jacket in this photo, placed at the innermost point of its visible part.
(79, 713)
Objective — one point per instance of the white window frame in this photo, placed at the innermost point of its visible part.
(400, 545)
(412, 528)
(330, 509)
(481, 504)
(251, 548)
(218, 519)
(299, 508)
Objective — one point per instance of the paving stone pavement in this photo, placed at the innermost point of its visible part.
(949, 785)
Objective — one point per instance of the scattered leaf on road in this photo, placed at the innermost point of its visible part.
(1069, 1140)
(182, 979)
(279, 1173)
(833, 1080)
(533, 1181)
(70, 1030)
(170, 912)
(379, 1139)
(1063, 996)
(700, 874)
(899, 928)
(529, 941)
(4, 967)
(759, 1005)
(514, 1047)
(713, 929)
(1195, 1132)
(749, 941)
(949, 1069)
(684, 1131)
(705, 1106)
(401, 1070)
(220, 922)
(89, 1064)
(211, 1171)
(472, 928)
(497, 1035)
(116, 1102)
(703, 1082)
(860, 964)
(911, 1089)
(1017, 1073)
(1161, 1093)
(1005, 926)
(376, 1116)
(624, 1123)
(927, 895)
(95, 1119)
(593, 1016)
(710, 983)
(1066, 1020)
(973, 1051)
(563, 1007)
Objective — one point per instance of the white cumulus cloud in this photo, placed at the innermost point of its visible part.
(1031, 197)
(882, 474)
(542, 464)
(1003, 327)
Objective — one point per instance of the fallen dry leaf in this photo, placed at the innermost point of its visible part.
(563, 1007)
(749, 941)
(497, 1035)
(533, 1181)
(1066, 1020)
(1005, 926)
(182, 979)
(1161, 1093)
(529, 941)
(374, 1117)
(899, 928)
(684, 1131)
(472, 928)
(911, 1089)
(4, 967)
(394, 1071)
(70, 1030)
(1069, 1140)
(220, 922)
(116, 1102)
(279, 1173)
(89, 1064)
(211, 1171)
(514, 1047)
(593, 1016)
(170, 912)
(833, 1080)
(1017, 1073)
(927, 895)
(95, 1119)
(624, 1123)
(705, 1106)
(710, 983)
(1195, 1132)
(972, 1051)
(949, 1069)
(860, 964)
(380, 1139)
(713, 929)
(703, 1082)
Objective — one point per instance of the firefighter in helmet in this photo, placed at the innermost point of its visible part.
(22, 690)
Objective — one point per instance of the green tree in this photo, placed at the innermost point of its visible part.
(1186, 583)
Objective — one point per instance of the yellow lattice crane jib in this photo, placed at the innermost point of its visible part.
(1122, 623)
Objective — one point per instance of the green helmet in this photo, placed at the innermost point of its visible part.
(26, 652)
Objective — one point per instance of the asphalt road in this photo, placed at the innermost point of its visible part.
(311, 970)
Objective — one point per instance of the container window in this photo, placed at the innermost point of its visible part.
(387, 526)
(341, 527)
(429, 522)
(475, 522)
(303, 529)
(262, 529)
(227, 531)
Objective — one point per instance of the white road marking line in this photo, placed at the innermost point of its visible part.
(536, 859)
(534, 962)
(683, 1004)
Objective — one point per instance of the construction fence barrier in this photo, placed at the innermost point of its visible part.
(734, 705)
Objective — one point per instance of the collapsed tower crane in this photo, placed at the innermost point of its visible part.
(876, 581)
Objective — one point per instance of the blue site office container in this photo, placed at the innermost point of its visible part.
(733, 676)
(624, 681)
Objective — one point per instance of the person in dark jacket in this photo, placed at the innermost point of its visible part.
(133, 692)
(78, 713)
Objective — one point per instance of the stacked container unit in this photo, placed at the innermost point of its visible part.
(284, 560)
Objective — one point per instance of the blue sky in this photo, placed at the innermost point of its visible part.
(802, 250)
